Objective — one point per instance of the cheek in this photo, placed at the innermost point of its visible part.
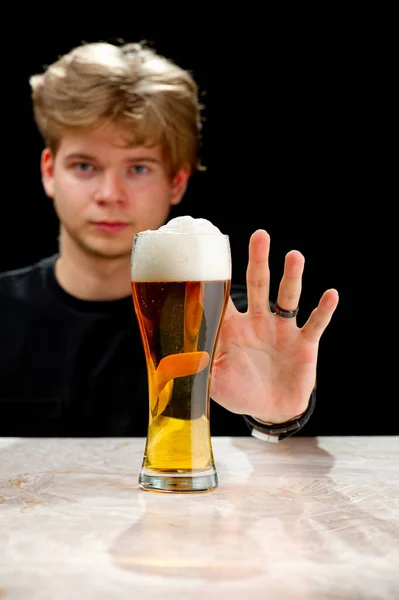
(152, 197)
(150, 210)
(69, 201)
(153, 206)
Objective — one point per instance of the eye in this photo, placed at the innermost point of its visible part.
(83, 167)
(139, 169)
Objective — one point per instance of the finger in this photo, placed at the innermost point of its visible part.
(290, 287)
(258, 274)
(321, 316)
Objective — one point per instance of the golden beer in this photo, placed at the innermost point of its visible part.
(179, 322)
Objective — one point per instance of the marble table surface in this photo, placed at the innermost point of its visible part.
(308, 518)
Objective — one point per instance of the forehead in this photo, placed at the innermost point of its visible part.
(105, 142)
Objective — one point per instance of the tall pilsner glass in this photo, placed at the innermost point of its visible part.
(180, 286)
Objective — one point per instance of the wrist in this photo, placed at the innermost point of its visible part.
(279, 421)
(278, 431)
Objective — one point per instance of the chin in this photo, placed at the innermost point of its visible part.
(106, 249)
(110, 253)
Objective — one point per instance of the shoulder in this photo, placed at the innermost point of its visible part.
(18, 282)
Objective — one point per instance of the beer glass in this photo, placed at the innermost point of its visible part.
(180, 286)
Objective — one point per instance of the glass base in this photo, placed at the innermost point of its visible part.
(202, 481)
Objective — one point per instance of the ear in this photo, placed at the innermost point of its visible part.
(47, 168)
(179, 185)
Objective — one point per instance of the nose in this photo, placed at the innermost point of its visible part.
(110, 189)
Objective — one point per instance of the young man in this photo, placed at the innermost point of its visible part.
(121, 126)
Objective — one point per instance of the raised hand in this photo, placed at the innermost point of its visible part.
(265, 365)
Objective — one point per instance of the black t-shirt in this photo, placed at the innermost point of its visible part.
(71, 367)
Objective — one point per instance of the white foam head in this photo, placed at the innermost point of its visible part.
(185, 249)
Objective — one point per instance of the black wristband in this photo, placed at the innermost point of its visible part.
(279, 431)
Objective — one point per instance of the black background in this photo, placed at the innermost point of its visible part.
(280, 141)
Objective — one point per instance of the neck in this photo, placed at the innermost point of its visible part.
(91, 277)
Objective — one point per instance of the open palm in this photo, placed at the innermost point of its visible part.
(265, 365)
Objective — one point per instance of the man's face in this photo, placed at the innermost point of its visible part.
(104, 192)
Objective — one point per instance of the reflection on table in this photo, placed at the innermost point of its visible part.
(308, 518)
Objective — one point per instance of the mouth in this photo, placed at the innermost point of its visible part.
(110, 226)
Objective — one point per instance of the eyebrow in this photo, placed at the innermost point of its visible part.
(135, 159)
